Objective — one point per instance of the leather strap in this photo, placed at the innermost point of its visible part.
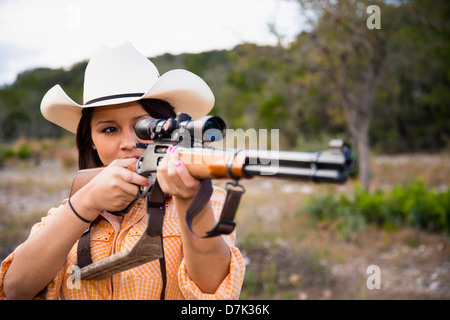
(226, 223)
(162, 266)
(156, 208)
(84, 249)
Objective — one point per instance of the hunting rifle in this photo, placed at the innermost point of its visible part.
(189, 137)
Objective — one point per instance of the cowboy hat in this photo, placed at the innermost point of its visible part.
(121, 74)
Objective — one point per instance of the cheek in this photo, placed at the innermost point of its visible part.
(107, 150)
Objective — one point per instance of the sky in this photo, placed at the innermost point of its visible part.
(60, 33)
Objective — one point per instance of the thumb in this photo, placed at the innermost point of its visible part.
(125, 163)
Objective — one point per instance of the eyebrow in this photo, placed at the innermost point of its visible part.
(133, 119)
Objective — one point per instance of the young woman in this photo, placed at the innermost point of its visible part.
(121, 87)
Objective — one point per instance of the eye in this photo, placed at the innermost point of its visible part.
(109, 130)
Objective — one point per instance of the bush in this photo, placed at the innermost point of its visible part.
(21, 149)
(24, 151)
(341, 210)
(371, 206)
(5, 153)
(412, 205)
(428, 209)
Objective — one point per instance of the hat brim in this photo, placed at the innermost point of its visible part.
(185, 91)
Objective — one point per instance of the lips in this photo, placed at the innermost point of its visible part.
(132, 157)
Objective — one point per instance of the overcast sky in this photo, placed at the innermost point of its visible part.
(59, 33)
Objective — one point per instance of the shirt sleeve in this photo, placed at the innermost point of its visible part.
(51, 292)
(230, 287)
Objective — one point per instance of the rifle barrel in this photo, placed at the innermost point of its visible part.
(328, 166)
(329, 159)
(295, 173)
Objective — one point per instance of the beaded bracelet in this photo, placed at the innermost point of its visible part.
(76, 213)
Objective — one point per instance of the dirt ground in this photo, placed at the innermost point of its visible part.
(285, 257)
(314, 263)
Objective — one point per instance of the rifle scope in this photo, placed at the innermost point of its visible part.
(205, 129)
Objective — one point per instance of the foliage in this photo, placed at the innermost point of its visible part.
(411, 205)
(344, 214)
(284, 86)
(414, 92)
(19, 103)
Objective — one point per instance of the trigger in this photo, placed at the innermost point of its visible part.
(142, 191)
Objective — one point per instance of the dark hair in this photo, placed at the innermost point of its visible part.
(87, 156)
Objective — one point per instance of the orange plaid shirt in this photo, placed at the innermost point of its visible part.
(109, 235)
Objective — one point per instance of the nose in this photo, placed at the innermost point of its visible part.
(129, 140)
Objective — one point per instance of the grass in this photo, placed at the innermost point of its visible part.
(290, 252)
(30, 185)
(316, 241)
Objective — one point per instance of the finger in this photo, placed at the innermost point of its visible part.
(123, 162)
(172, 158)
(134, 178)
(179, 169)
(166, 173)
(185, 176)
(122, 168)
(130, 191)
(121, 180)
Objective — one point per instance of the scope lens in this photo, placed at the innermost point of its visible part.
(143, 128)
(213, 129)
(211, 135)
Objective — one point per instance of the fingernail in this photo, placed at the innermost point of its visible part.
(178, 163)
(170, 149)
(148, 182)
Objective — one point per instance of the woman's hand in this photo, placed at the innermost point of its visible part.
(112, 189)
(207, 260)
(175, 179)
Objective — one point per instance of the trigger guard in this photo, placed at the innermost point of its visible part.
(143, 191)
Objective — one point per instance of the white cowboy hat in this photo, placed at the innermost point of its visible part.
(121, 74)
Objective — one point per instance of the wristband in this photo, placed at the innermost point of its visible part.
(76, 213)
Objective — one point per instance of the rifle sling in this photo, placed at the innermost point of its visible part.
(156, 209)
(84, 248)
(226, 223)
(150, 246)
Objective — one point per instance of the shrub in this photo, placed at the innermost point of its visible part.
(344, 212)
(412, 205)
(371, 206)
(428, 209)
(24, 151)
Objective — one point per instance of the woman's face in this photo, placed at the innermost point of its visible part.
(113, 132)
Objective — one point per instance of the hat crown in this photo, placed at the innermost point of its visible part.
(117, 71)
(120, 75)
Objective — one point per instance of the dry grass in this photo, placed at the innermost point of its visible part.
(287, 256)
(27, 191)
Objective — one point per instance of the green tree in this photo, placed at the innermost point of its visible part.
(414, 95)
(349, 59)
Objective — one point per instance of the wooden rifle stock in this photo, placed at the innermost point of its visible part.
(83, 177)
